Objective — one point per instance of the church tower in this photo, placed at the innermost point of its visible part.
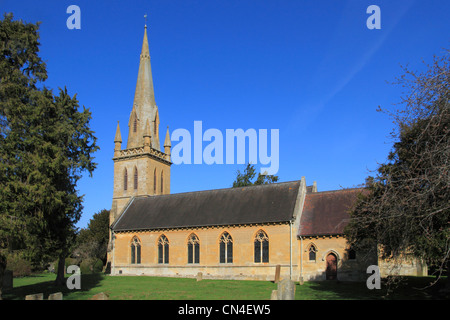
(142, 168)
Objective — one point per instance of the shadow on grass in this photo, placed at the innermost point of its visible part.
(88, 281)
(410, 288)
(336, 290)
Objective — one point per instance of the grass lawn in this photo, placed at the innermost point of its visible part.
(157, 288)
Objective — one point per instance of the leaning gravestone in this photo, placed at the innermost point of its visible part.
(199, 276)
(277, 273)
(286, 290)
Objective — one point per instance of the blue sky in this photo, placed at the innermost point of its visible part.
(311, 69)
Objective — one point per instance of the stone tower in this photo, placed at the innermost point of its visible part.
(142, 168)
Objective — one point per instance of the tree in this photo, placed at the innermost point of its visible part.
(92, 242)
(20, 70)
(406, 210)
(245, 179)
(45, 146)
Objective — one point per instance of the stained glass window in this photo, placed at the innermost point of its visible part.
(261, 247)
(193, 249)
(312, 253)
(135, 251)
(226, 248)
(163, 249)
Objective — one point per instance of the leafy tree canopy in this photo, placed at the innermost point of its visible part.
(407, 207)
(247, 177)
(92, 241)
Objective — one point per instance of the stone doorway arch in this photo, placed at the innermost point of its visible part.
(331, 270)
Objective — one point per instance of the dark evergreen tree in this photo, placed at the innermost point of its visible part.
(45, 146)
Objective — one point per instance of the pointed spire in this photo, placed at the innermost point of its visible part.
(147, 137)
(144, 97)
(145, 51)
(118, 137)
(144, 93)
(147, 132)
(167, 142)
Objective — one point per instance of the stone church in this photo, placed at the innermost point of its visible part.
(235, 233)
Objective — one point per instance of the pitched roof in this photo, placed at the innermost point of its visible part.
(326, 213)
(254, 204)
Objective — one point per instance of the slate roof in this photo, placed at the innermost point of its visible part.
(326, 213)
(246, 205)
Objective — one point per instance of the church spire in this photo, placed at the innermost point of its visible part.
(117, 141)
(144, 101)
(167, 143)
(118, 137)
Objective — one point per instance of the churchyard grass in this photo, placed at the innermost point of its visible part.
(157, 288)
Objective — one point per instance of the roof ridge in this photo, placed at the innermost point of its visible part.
(218, 189)
(338, 190)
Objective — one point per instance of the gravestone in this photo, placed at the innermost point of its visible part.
(277, 273)
(100, 296)
(7, 280)
(37, 296)
(286, 290)
(300, 281)
(55, 296)
(199, 276)
(274, 295)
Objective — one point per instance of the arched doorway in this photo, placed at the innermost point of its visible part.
(331, 271)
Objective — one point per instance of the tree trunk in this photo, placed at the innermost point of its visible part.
(447, 284)
(60, 281)
(2, 272)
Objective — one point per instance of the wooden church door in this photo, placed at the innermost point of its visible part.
(331, 271)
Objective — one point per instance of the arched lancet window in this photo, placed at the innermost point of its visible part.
(154, 181)
(163, 249)
(312, 252)
(193, 247)
(261, 247)
(125, 180)
(135, 251)
(135, 178)
(162, 181)
(351, 253)
(226, 248)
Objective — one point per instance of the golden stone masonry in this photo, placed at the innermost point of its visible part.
(236, 233)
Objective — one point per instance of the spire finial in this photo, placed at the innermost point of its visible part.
(118, 137)
(145, 17)
(167, 142)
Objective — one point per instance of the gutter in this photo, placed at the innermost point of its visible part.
(113, 240)
(301, 259)
(290, 250)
